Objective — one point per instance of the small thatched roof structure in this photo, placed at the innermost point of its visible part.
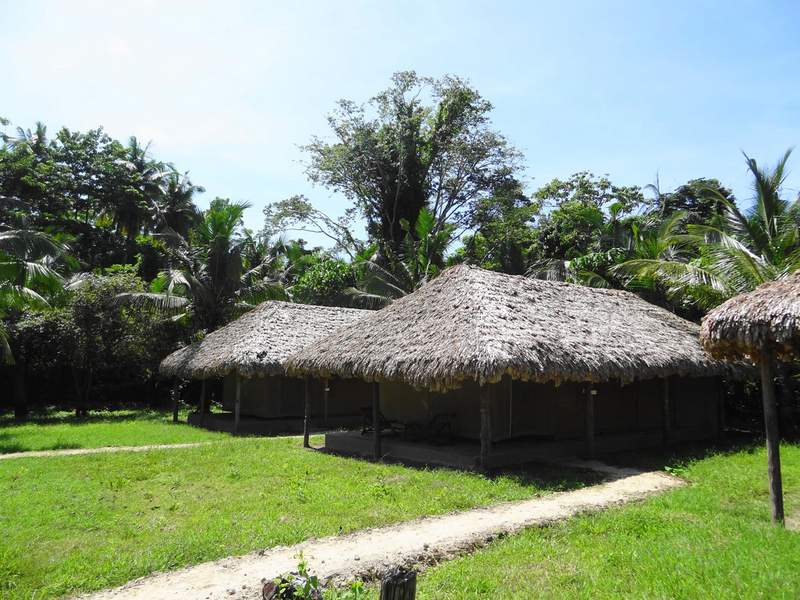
(257, 343)
(768, 317)
(473, 324)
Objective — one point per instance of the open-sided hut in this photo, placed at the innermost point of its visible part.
(763, 326)
(249, 355)
(528, 367)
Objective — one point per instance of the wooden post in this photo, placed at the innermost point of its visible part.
(326, 388)
(307, 414)
(510, 408)
(590, 426)
(486, 428)
(399, 585)
(666, 414)
(237, 404)
(203, 402)
(773, 441)
(376, 420)
(720, 409)
(175, 399)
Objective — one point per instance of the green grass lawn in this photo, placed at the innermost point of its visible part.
(61, 430)
(712, 539)
(79, 523)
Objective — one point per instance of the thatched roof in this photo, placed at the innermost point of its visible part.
(769, 316)
(472, 324)
(257, 343)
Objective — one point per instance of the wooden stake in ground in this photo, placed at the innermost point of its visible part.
(399, 584)
(773, 437)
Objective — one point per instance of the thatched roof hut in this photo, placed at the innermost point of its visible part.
(473, 324)
(768, 317)
(257, 343)
(761, 325)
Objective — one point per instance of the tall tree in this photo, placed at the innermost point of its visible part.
(420, 143)
(502, 231)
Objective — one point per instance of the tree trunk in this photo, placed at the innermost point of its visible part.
(83, 395)
(20, 392)
(773, 437)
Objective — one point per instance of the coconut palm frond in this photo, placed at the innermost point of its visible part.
(6, 356)
(165, 303)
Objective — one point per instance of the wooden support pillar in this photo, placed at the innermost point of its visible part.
(486, 428)
(666, 413)
(510, 408)
(176, 391)
(720, 409)
(307, 414)
(590, 424)
(376, 420)
(237, 404)
(773, 439)
(326, 388)
(203, 402)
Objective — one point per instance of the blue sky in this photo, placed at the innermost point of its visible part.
(228, 90)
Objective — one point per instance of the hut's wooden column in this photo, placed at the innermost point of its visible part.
(202, 402)
(326, 388)
(773, 441)
(590, 422)
(666, 413)
(175, 398)
(486, 428)
(237, 404)
(376, 420)
(307, 414)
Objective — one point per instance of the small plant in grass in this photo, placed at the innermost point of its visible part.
(302, 585)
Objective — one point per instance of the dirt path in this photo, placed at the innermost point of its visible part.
(102, 450)
(371, 552)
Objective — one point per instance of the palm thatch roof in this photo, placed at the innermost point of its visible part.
(257, 343)
(768, 317)
(473, 324)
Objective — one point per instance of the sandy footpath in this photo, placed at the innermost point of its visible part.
(369, 553)
(102, 450)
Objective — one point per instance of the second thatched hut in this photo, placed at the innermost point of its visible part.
(248, 355)
(527, 367)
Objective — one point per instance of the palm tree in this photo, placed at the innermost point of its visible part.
(711, 264)
(208, 282)
(175, 207)
(35, 141)
(27, 275)
(135, 205)
(384, 277)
